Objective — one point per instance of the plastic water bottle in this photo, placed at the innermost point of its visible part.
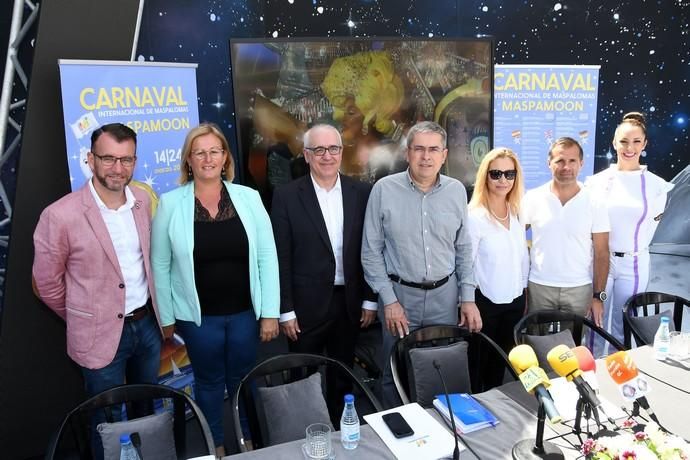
(349, 424)
(662, 340)
(127, 450)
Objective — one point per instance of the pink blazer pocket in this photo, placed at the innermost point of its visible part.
(81, 329)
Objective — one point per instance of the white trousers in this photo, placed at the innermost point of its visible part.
(628, 275)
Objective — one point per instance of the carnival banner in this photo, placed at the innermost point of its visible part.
(157, 100)
(536, 104)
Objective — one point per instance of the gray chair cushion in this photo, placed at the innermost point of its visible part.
(543, 344)
(453, 361)
(291, 408)
(648, 325)
(155, 431)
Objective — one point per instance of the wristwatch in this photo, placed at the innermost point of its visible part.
(601, 295)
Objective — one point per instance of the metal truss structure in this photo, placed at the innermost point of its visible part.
(12, 109)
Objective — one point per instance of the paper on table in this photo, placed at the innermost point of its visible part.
(565, 396)
(430, 440)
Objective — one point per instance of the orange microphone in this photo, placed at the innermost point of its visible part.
(631, 384)
(623, 371)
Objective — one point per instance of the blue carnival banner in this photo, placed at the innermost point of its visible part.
(536, 104)
(157, 100)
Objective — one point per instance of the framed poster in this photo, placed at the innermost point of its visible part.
(372, 90)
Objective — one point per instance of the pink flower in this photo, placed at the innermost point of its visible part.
(628, 455)
(588, 446)
(641, 436)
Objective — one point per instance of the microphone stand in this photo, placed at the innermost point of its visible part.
(456, 451)
(636, 408)
(636, 412)
(537, 449)
(584, 405)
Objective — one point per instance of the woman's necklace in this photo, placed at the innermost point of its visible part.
(502, 219)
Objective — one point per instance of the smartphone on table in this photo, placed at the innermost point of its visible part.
(397, 424)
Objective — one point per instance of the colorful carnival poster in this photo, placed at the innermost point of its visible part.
(536, 104)
(373, 90)
(157, 100)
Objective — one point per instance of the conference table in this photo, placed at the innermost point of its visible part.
(670, 373)
(490, 443)
(516, 411)
(669, 394)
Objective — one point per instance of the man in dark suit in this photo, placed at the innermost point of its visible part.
(317, 221)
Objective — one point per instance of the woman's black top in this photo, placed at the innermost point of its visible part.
(221, 259)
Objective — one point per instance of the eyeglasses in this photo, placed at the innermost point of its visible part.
(321, 150)
(420, 149)
(215, 152)
(109, 160)
(496, 174)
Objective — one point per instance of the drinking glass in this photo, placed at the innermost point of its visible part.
(318, 445)
(686, 342)
(679, 348)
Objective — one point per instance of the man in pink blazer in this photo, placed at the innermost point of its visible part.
(91, 267)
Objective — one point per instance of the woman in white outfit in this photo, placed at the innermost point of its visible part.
(635, 199)
(499, 251)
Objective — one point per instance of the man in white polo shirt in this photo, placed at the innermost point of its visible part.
(569, 255)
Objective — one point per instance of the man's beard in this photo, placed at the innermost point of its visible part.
(103, 181)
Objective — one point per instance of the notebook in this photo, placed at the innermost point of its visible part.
(470, 415)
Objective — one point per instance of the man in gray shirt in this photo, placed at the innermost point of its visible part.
(416, 250)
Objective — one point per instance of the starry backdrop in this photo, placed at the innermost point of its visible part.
(643, 48)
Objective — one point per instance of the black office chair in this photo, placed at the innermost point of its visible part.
(555, 323)
(289, 368)
(642, 315)
(73, 438)
(438, 343)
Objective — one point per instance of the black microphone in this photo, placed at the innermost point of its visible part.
(456, 451)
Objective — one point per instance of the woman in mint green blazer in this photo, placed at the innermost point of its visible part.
(215, 270)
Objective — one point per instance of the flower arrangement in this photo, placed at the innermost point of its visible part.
(649, 444)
